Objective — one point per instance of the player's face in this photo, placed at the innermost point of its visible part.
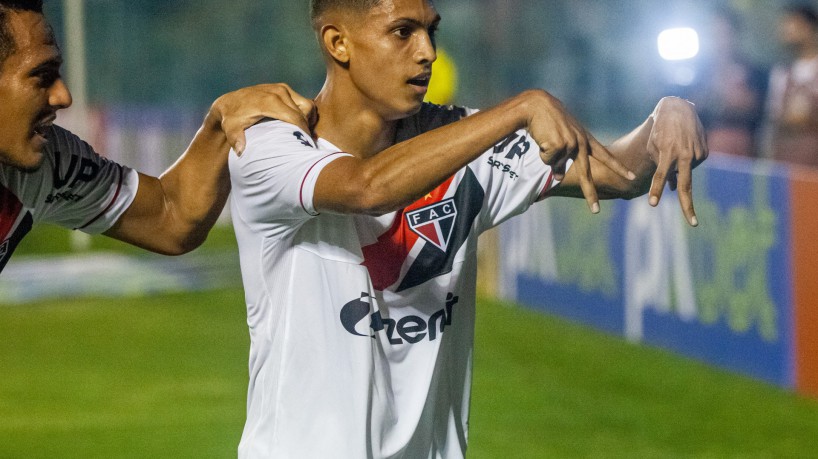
(391, 55)
(31, 90)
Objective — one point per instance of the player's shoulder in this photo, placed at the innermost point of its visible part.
(63, 144)
(60, 137)
(275, 134)
(430, 117)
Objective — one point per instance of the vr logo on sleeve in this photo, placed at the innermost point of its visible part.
(434, 223)
(83, 170)
(512, 149)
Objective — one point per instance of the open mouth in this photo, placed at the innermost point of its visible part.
(41, 126)
(421, 80)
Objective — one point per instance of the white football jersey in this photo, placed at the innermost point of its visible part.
(362, 327)
(74, 188)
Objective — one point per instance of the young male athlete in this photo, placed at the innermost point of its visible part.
(358, 249)
(49, 175)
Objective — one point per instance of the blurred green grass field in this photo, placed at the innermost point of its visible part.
(48, 240)
(165, 377)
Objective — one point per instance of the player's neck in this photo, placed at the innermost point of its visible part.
(350, 125)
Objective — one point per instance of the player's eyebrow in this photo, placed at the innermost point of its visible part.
(414, 22)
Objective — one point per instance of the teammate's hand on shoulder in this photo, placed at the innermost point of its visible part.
(561, 138)
(677, 145)
(238, 110)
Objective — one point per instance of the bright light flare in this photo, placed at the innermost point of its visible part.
(678, 44)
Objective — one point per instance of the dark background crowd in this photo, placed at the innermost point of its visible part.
(755, 79)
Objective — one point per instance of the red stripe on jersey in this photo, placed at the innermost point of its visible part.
(10, 208)
(304, 180)
(110, 204)
(385, 258)
(546, 191)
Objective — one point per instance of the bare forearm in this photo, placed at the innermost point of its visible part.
(173, 214)
(632, 151)
(405, 172)
(197, 186)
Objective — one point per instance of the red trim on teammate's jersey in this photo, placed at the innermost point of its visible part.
(10, 208)
(547, 188)
(110, 204)
(385, 258)
(304, 180)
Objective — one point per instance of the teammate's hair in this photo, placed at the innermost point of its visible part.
(7, 45)
(319, 7)
(805, 12)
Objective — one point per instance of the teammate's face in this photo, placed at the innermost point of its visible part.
(31, 90)
(391, 54)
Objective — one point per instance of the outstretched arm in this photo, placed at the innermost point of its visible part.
(664, 149)
(173, 214)
(405, 172)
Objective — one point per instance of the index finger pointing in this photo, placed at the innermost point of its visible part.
(604, 156)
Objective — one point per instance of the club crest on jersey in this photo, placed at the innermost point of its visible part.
(434, 223)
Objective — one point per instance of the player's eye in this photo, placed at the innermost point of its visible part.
(403, 32)
(47, 80)
(46, 77)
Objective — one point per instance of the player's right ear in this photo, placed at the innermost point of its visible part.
(335, 42)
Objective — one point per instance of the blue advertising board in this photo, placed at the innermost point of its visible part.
(720, 293)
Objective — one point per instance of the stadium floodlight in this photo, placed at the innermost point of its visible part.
(678, 44)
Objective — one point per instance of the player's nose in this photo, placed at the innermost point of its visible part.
(426, 52)
(59, 96)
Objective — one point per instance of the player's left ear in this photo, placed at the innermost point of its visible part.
(336, 43)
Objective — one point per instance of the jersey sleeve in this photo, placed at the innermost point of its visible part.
(513, 176)
(274, 179)
(77, 188)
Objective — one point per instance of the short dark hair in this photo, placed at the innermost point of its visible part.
(7, 45)
(805, 12)
(319, 7)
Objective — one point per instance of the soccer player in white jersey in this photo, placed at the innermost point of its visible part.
(49, 175)
(358, 247)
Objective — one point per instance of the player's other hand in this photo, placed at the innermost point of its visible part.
(677, 145)
(238, 110)
(561, 138)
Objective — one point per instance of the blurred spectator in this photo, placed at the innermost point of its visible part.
(793, 101)
(729, 91)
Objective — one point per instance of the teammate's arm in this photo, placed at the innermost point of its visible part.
(670, 142)
(405, 172)
(173, 214)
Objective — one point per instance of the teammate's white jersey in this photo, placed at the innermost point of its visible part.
(74, 188)
(362, 327)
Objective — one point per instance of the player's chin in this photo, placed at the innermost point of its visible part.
(411, 107)
(32, 163)
(28, 159)
(400, 114)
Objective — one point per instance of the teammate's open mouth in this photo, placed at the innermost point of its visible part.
(41, 126)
